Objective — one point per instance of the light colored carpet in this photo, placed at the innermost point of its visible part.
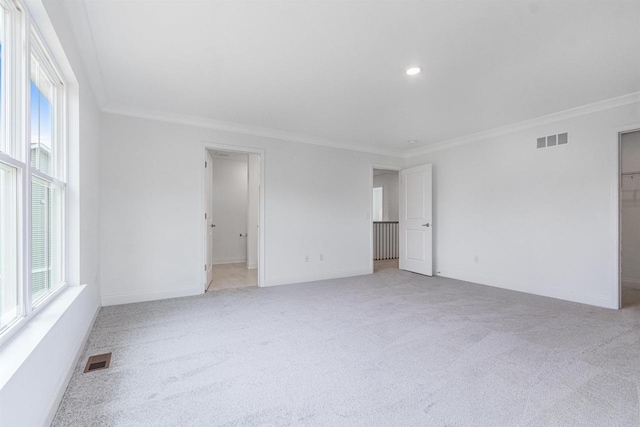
(390, 349)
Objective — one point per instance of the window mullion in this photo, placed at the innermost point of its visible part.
(48, 178)
(28, 182)
(4, 158)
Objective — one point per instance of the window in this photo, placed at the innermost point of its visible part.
(377, 204)
(41, 112)
(8, 246)
(32, 170)
(46, 238)
(46, 190)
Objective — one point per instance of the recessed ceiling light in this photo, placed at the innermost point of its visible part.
(413, 71)
(412, 141)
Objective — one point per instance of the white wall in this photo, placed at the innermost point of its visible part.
(630, 212)
(38, 361)
(540, 221)
(390, 194)
(316, 201)
(253, 214)
(230, 196)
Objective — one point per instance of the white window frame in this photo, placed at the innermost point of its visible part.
(23, 40)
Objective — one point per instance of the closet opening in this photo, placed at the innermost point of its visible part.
(629, 218)
(233, 206)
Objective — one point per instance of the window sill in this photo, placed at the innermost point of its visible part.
(15, 327)
(28, 333)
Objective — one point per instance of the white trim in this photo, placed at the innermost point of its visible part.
(4, 158)
(48, 178)
(261, 217)
(13, 328)
(313, 277)
(239, 128)
(607, 104)
(22, 345)
(48, 297)
(616, 211)
(64, 381)
(151, 295)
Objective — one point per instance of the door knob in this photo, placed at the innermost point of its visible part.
(213, 225)
(425, 225)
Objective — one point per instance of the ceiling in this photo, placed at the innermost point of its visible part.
(335, 70)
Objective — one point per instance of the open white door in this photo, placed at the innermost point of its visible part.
(208, 220)
(416, 228)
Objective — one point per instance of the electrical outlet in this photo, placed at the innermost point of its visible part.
(306, 258)
(321, 257)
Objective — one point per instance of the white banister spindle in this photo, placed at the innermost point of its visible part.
(385, 240)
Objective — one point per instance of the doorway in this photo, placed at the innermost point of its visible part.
(402, 219)
(630, 218)
(233, 215)
(385, 204)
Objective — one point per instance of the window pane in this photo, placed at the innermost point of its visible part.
(46, 238)
(8, 246)
(377, 204)
(41, 112)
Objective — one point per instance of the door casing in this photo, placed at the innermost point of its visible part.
(207, 145)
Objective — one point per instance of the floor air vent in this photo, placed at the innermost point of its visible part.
(97, 362)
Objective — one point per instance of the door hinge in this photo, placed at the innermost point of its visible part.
(205, 164)
(205, 267)
(205, 215)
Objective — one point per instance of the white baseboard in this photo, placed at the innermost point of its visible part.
(64, 382)
(151, 295)
(631, 284)
(313, 277)
(530, 288)
(252, 266)
(229, 261)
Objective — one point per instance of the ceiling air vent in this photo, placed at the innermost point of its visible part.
(552, 140)
(97, 362)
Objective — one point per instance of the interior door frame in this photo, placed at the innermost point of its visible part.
(617, 203)
(208, 198)
(208, 145)
(370, 217)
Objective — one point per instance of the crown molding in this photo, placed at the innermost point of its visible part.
(204, 122)
(607, 104)
(207, 123)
